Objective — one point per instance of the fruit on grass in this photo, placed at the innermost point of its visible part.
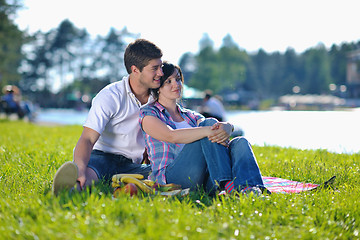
(115, 184)
(148, 182)
(170, 187)
(156, 186)
(131, 189)
(128, 189)
(142, 186)
(117, 177)
(117, 192)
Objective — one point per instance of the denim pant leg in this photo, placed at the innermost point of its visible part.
(245, 168)
(198, 159)
(189, 168)
(106, 165)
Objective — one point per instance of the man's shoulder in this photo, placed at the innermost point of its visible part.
(115, 88)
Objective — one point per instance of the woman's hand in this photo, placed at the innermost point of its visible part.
(221, 132)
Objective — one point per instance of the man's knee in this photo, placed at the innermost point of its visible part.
(91, 176)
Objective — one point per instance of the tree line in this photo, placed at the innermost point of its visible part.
(230, 70)
(66, 65)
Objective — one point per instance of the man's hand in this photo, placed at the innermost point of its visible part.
(80, 183)
(145, 158)
(221, 133)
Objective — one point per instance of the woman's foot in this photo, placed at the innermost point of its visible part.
(256, 191)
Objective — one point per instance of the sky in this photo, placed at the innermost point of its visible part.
(178, 26)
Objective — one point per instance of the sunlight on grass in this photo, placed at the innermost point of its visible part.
(30, 155)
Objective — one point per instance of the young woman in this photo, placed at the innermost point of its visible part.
(187, 149)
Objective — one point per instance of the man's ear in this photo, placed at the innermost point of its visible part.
(134, 69)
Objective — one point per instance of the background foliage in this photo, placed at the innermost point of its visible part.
(58, 67)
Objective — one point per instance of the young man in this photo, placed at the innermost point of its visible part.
(111, 141)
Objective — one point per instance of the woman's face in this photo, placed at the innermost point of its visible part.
(171, 89)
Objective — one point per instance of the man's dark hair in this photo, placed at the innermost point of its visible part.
(139, 53)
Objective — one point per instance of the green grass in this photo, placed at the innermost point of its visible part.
(30, 155)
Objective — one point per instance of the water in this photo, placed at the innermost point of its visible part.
(335, 131)
(62, 116)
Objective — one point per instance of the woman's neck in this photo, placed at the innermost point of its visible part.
(171, 107)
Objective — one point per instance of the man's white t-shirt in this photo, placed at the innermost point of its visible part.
(215, 107)
(114, 114)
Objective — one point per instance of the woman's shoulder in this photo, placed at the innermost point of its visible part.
(188, 110)
(150, 109)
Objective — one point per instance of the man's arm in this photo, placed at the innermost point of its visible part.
(83, 150)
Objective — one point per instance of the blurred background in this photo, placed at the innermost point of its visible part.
(262, 56)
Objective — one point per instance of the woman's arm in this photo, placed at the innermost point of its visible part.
(159, 130)
(221, 132)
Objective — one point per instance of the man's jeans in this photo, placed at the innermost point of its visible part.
(107, 164)
(203, 163)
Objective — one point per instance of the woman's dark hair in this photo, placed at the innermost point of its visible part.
(168, 69)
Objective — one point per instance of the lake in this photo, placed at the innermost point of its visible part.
(335, 131)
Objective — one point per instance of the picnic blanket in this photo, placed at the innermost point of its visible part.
(281, 185)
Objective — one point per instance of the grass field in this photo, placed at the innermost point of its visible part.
(30, 155)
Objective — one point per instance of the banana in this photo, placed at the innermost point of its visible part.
(148, 182)
(142, 186)
(170, 187)
(115, 184)
(117, 177)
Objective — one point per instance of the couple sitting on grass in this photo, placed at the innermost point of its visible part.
(181, 146)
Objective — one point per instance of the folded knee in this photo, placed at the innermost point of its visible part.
(239, 142)
(208, 122)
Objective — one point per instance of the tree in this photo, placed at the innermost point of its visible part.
(188, 65)
(338, 61)
(292, 74)
(63, 50)
(37, 63)
(232, 64)
(316, 70)
(207, 74)
(11, 40)
(110, 58)
(261, 74)
(206, 42)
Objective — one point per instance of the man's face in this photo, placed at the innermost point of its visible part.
(151, 73)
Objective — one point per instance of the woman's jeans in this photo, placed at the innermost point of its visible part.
(203, 163)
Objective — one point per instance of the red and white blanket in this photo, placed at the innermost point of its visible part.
(280, 185)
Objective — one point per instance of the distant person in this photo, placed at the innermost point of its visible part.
(111, 141)
(213, 107)
(11, 102)
(187, 149)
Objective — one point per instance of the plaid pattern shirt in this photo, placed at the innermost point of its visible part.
(161, 153)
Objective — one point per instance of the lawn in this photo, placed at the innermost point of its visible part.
(30, 155)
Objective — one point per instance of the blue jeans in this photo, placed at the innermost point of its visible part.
(106, 165)
(203, 163)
